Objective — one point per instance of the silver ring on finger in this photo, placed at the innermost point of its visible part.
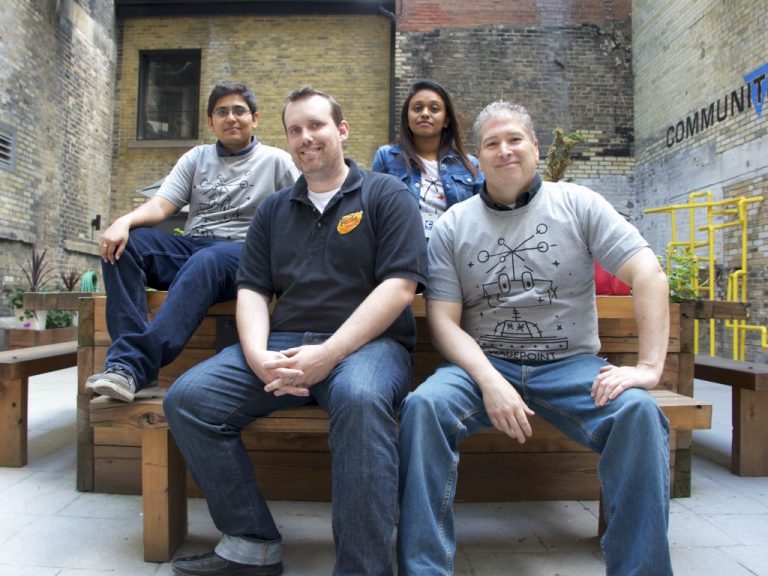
(291, 381)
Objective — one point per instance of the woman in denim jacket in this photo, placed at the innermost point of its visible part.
(428, 155)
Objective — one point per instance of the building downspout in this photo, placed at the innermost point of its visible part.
(393, 29)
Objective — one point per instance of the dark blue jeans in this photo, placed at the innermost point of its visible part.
(210, 404)
(197, 272)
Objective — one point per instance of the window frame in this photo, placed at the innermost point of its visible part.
(146, 58)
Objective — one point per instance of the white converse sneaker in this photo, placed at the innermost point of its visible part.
(113, 382)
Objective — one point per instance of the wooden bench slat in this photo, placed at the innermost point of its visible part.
(749, 375)
(24, 362)
(684, 413)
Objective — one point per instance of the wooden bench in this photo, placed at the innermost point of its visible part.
(164, 477)
(126, 448)
(16, 366)
(749, 389)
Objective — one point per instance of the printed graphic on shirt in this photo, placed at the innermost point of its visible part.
(513, 283)
(349, 222)
(432, 201)
(216, 202)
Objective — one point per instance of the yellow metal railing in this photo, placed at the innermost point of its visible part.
(734, 210)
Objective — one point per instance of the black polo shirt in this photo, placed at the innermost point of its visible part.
(322, 266)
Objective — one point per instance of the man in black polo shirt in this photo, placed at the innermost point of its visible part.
(343, 253)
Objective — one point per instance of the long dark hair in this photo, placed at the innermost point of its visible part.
(450, 138)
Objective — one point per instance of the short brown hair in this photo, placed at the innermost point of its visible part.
(307, 92)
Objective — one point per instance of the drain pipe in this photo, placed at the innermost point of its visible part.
(392, 111)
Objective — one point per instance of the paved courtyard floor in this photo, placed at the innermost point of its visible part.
(47, 528)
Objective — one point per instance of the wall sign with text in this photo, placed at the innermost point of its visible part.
(752, 94)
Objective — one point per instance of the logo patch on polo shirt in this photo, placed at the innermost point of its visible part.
(349, 222)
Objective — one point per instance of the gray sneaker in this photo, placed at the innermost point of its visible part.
(113, 382)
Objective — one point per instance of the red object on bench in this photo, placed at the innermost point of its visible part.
(608, 285)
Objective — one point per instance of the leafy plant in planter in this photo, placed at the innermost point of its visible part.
(16, 302)
(36, 270)
(682, 269)
(70, 278)
(59, 319)
(38, 273)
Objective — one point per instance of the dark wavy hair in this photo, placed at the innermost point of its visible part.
(225, 88)
(450, 139)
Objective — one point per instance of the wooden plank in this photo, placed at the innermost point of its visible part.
(25, 362)
(156, 298)
(717, 309)
(85, 474)
(684, 412)
(749, 447)
(53, 300)
(555, 476)
(116, 476)
(119, 451)
(165, 495)
(85, 445)
(86, 321)
(747, 375)
(13, 422)
(26, 338)
(614, 307)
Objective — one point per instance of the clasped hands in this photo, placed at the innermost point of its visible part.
(295, 370)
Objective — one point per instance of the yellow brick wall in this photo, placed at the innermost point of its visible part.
(347, 56)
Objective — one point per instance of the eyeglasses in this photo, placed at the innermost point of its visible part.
(238, 111)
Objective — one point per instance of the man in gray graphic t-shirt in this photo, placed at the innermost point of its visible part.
(223, 184)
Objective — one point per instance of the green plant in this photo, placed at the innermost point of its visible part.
(682, 269)
(59, 319)
(16, 302)
(36, 270)
(560, 154)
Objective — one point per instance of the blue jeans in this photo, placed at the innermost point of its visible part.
(208, 406)
(197, 272)
(630, 433)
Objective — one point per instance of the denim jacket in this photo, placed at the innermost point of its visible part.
(458, 182)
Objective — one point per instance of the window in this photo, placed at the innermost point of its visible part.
(7, 148)
(169, 89)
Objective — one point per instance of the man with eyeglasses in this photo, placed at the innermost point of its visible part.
(223, 184)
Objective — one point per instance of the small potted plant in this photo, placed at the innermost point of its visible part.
(38, 273)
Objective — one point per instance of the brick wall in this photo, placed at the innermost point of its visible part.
(690, 59)
(569, 63)
(347, 56)
(56, 71)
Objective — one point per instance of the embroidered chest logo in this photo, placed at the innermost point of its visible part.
(349, 222)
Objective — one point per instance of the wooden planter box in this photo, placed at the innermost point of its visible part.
(25, 337)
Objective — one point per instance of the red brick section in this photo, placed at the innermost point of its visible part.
(428, 15)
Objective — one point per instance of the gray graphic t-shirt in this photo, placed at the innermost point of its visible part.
(525, 277)
(223, 191)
